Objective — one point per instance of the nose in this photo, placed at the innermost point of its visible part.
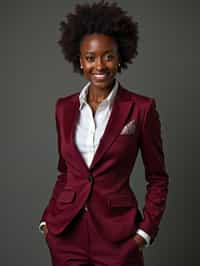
(100, 64)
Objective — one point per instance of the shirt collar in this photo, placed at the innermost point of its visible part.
(107, 101)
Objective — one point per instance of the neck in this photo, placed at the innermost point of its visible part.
(99, 94)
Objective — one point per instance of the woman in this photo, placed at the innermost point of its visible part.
(93, 215)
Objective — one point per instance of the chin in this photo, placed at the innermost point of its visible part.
(101, 84)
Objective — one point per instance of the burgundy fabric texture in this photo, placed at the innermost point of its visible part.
(105, 185)
(84, 245)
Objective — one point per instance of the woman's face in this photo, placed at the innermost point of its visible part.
(99, 59)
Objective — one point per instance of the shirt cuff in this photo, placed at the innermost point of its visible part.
(40, 226)
(145, 236)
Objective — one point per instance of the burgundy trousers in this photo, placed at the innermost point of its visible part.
(82, 244)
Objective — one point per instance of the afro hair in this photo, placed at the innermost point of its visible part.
(100, 17)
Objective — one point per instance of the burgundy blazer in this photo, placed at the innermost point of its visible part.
(105, 184)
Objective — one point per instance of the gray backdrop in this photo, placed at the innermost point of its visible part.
(34, 74)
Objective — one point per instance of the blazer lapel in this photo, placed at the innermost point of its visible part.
(72, 116)
(119, 114)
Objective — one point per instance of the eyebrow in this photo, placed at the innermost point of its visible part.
(91, 52)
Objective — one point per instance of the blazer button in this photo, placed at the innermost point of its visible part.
(90, 178)
(86, 208)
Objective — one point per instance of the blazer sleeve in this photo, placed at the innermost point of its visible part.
(61, 165)
(155, 171)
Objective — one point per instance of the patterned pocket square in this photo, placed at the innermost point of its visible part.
(129, 128)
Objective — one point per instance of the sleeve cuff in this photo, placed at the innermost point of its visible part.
(40, 226)
(145, 236)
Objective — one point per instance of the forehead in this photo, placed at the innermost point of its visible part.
(97, 43)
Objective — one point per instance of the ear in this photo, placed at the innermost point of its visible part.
(80, 60)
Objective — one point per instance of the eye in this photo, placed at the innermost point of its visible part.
(90, 58)
(109, 57)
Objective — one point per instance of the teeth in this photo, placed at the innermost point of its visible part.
(100, 75)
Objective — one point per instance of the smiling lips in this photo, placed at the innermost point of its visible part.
(101, 76)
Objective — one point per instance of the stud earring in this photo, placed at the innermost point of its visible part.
(81, 67)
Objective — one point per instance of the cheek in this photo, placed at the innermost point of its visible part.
(87, 68)
(113, 67)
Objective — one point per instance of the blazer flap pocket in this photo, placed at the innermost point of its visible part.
(66, 196)
(122, 201)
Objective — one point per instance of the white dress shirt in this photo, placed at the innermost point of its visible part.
(89, 130)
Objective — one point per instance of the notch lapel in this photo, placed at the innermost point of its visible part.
(120, 111)
(119, 114)
(74, 113)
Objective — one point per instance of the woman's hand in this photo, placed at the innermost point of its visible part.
(140, 241)
(45, 229)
